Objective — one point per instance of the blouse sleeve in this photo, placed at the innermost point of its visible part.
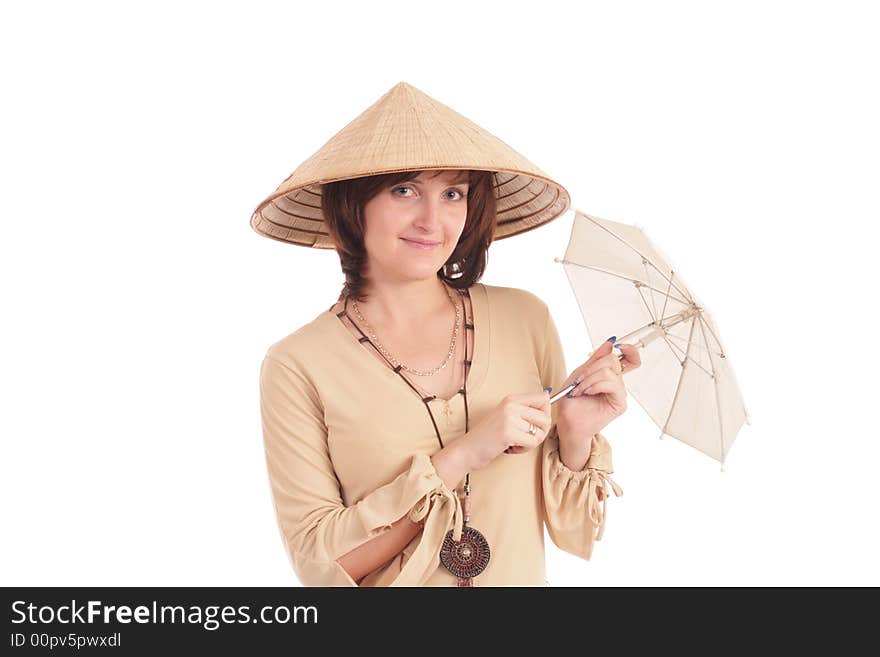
(316, 526)
(574, 517)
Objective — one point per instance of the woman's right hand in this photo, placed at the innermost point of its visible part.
(507, 425)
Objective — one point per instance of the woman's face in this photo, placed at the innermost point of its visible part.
(430, 209)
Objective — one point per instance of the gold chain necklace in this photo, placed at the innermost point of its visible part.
(430, 372)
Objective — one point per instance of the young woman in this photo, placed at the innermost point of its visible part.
(409, 435)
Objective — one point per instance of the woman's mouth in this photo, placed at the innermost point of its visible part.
(421, 245)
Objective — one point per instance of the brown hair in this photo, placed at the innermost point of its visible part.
(343, 204)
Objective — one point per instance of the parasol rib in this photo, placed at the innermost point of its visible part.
(683, 302)
(666, 296)
(678, 385)
(648, 278)
(717, 397)
(642, 255)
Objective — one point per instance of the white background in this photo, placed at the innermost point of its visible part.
(137, 301)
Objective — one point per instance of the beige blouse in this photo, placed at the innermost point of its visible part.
(348, 446)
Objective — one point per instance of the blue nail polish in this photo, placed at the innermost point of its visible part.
(548, 390)
(613, 338)
(618, 345)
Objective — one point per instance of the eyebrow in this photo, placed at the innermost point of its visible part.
(463, 177)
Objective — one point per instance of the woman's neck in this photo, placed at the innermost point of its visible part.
(400, 306)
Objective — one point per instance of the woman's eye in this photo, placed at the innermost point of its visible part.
(460, 193)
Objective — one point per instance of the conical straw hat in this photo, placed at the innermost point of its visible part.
(406, 130)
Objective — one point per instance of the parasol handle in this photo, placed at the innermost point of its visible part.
(651, 332)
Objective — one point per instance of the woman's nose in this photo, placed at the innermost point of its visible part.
(428, 215)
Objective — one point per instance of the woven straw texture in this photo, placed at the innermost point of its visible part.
(406, 130)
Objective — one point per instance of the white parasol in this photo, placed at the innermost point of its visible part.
(624, 284)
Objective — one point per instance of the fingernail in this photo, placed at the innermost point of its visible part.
(617, 345)
(548, 390)
(613, 338)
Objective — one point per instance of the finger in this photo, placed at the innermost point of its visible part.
(603, 350)
(591, 377)
(574, 378)
(527, 440)
(604, 374)
(608, 387)
(522, 440)
(526, 425)
(537, 417)
(611, 361)
(533, 399)
(579, 372)
(631, 357)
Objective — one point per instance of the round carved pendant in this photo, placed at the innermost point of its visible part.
(469, 556)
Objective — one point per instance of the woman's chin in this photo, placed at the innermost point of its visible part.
(419, 273)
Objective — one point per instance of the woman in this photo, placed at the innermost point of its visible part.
(409, 435)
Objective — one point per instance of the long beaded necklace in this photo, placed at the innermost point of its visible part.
(469, 556)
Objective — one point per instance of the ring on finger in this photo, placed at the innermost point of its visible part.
(532, 429)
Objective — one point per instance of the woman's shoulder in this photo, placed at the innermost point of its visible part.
(309, 339)
(516, 299)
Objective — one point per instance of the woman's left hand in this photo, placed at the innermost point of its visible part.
(601, 395)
